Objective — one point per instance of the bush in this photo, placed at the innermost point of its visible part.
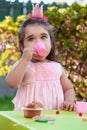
(6, 104)
(9, 52)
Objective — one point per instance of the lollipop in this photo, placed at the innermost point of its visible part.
(40, 49)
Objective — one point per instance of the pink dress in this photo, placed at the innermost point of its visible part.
(41, 84)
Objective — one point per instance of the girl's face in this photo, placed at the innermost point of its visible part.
(37, 33)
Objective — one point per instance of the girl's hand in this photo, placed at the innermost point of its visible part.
(68, 105)
(28, 53)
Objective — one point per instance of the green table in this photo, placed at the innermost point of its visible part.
(14, 120)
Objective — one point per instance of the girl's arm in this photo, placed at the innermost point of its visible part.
(17, 73)
(69, 93)
(15, 76)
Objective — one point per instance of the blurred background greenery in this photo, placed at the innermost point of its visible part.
(70, 28)
(6, 104)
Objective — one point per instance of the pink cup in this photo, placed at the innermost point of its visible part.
(81, 107)
(40, 49)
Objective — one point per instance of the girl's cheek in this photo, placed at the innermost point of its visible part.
(48, 47)
(28, 44)
(48, 51)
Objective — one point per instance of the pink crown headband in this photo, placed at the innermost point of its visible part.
(37, 12)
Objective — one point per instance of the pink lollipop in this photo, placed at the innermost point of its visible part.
(40, 49)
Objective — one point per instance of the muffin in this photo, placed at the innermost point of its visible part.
(33, 109)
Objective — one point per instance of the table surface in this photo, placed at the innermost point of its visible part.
(65, 120)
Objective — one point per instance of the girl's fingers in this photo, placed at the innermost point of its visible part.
(71, 108)
(68, 106)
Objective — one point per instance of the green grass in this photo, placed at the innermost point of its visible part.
(6, 104)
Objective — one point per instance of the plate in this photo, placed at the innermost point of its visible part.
(43, 118)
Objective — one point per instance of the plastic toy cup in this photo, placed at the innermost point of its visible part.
(40, 49)
(81, 107)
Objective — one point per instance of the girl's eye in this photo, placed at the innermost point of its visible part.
(44, 37)
(31, 39)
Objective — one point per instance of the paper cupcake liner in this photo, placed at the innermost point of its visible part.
(24, 108)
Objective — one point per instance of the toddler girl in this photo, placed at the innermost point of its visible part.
(38, 76)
